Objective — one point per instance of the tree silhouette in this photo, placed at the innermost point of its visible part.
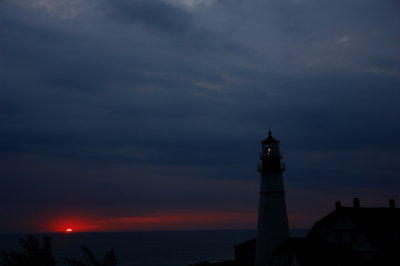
(32, 253)
(109, 259)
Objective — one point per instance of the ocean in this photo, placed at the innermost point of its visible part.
(164, 248)
(156, 248)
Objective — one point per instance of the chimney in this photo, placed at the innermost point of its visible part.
(356, 202)
(392, 204)
(338, 204)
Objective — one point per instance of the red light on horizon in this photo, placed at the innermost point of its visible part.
(169, 220)
(71, 224)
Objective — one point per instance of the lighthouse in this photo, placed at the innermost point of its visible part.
(273, 227)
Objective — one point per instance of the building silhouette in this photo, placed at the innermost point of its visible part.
(347, 236)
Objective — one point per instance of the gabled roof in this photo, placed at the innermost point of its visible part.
(270, 139)
(379, 225)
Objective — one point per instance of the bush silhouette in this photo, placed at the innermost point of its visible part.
(32, 253)
(109, 259)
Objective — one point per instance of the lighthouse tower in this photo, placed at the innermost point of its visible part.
(273, 227)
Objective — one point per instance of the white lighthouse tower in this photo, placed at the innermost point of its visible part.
(273, 227)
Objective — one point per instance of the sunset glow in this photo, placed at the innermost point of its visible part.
(174, 220)
(150, 115)
(70, 223)
(182, 221)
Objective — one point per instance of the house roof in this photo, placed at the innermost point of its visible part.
(379, 225)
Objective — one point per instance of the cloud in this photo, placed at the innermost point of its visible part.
(193, 4)
(127, 97)
(60, 9)
(155, 14)
(389, 66)
(343, 39)
(181, 220)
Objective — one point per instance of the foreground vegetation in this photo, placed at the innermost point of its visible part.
(35, 254)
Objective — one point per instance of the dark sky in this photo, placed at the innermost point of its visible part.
(148, 114)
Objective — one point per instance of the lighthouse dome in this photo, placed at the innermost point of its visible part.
(270, 139)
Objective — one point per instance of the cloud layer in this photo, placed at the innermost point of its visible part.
(124, 108)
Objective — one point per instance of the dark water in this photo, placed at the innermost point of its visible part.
(164, 248)
(144, 248)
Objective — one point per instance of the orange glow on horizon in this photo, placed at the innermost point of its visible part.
(181, 221)
(176, 220)
(72, 224)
